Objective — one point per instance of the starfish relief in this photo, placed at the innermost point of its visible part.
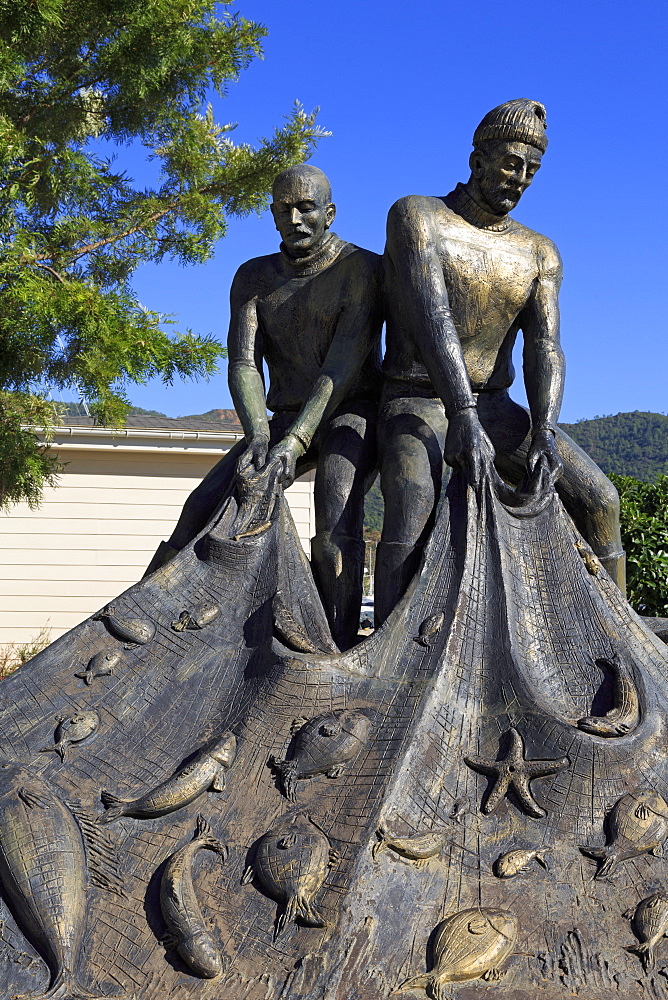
(514, 772)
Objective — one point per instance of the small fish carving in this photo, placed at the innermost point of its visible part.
(198, 617)
(205, 771)
(180, 908)
(428, 629)
(288, 629)
(256, 494)
(132, 631)
(650, 924)
(43, 874)
(471, 944)
(325, 744)
(419, 848)
(593, 565)
(100, 665)
(637, 824)
(73, 730)
(624, 716)
(291, 862)
(513, 862)
(459, 809)
(253, 532)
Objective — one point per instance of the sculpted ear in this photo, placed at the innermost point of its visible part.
(330, 212)
(476, 162)
(273, 213)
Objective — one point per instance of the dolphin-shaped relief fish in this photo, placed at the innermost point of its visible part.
(180, 909)
(206, 770)
(624, 715)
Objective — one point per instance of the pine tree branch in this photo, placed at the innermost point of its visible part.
(110, 240)
(219, 190)
(51, 270)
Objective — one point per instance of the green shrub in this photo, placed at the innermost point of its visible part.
(644, 521)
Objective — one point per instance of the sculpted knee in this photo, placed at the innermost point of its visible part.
(405, 492)
(607, 500)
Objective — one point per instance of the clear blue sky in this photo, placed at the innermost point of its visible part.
(401, 87)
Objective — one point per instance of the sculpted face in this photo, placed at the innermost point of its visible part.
(302, 208)
(502, 172)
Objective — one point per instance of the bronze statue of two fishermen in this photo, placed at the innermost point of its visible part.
(459, 279)
(362, 812)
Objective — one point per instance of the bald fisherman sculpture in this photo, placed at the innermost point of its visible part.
(463, 278)
(313, 313)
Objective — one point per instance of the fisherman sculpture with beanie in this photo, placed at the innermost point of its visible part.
(462, 279)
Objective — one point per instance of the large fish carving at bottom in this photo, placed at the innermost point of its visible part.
(43, 876)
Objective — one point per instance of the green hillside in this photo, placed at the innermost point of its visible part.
(629, 444)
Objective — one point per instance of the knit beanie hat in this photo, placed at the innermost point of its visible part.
(515, 121)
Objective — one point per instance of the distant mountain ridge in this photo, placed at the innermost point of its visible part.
(225, 416)
(628, 444)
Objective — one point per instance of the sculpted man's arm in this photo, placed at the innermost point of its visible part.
(544, 363)
(357, 330)
(245, 370)
(416, 268)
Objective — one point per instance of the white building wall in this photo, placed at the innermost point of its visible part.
(94, 534)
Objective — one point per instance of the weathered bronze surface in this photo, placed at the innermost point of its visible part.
(476, 794)
(525, 630)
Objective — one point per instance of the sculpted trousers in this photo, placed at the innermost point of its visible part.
(411, 433)
(343, 452)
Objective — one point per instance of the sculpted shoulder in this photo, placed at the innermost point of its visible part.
(416, 207)
(256, 273)
(547, 254)
(412, 219)
(366, 264)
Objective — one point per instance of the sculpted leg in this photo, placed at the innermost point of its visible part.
(346, 470)
(586, 493)
(411, 438)
(593, 503)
